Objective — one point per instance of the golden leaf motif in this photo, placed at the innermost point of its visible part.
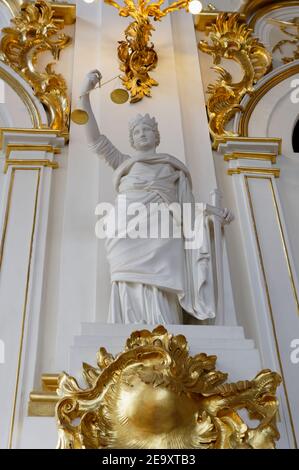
(137, 54)
(155, 395)
(291, 29)
(232, 39)
(32, 33)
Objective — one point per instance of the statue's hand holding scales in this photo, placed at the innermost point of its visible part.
(93, 78)
(82, 115)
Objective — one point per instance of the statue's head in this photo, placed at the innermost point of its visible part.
(144, 133)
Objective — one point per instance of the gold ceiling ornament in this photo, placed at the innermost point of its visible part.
(35, 31)
(291, 29)
(155, 395)
(136, 53)
(230, 38)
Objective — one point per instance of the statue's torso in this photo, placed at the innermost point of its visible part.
(158, 178)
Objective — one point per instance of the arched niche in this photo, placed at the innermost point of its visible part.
(272, 111)
(295, 139)
(19, 107)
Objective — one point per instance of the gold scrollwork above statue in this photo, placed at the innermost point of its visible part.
(35, 30)
(137, 54)
(231, 38)
(155, 395)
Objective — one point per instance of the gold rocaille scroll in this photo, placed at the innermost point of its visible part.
(155, 395)
(34, 31)
(230, 38)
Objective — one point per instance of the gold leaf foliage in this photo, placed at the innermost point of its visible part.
(33, 32)
(155, 395)
(230, 38)
(291, 29)
(136, 53)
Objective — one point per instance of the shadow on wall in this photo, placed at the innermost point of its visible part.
(296, 137)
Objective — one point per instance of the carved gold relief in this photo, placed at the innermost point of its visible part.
(155, 395)
(32, 33)
(231, 39)
(137, 54)
(289, 28)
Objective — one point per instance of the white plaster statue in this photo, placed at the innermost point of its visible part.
(153, 279)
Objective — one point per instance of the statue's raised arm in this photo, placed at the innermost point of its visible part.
(98, 142)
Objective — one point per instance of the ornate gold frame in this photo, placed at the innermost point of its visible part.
(155, 395)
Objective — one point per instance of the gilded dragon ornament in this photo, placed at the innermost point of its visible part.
(155, 395)
(33, 32)
(231, 38)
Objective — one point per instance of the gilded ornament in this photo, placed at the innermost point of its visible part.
(155, 395)
(136, 53)
(231, 39)
(33, 32)
(291, 29)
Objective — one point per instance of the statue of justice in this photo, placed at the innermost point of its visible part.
(154, 279)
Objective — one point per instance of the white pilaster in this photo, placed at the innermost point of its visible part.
(273, 280)
(28, 159)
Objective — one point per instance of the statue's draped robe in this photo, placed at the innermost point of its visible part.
(154, 278)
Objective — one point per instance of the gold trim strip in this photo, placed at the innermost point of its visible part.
(285, 249)
(19, 130)
(271, 157)
(257, 15)
(262, 171)
(269, 301)
(43, 397)
(44, 163)
(27, 148)
(7, 210)
(66, 12)
(259, 94)
(43, 402)
(50, 382)
(24, 315)
(258, 140)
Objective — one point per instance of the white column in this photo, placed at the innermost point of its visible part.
(28, 160)
(273, 280)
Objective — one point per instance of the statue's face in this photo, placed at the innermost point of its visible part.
(144, 137)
